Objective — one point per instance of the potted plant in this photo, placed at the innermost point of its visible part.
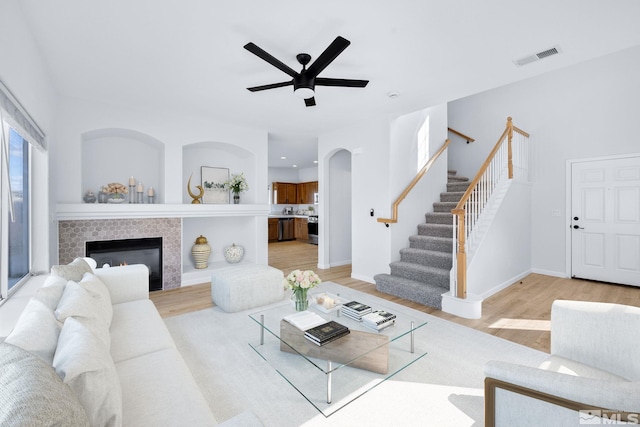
(300, 282)
(236, 184)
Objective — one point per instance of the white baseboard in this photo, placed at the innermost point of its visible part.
(469, 308)
(562, 275)
(363, 278)
(504, 285)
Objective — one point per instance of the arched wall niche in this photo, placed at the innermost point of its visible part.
(218, 155)
(115, 155)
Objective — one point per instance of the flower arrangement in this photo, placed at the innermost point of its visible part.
(236, 184)
(300, 282)
(116, 189)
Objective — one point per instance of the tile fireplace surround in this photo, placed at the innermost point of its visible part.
(73, 235)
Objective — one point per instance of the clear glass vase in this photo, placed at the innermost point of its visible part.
(299, 299)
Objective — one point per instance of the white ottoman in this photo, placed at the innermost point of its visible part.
(244, 286)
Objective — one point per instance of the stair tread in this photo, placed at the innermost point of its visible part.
(420, 267)
(423, 293)
(427, 252)
(435, 238)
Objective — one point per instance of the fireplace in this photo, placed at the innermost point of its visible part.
(147, 251)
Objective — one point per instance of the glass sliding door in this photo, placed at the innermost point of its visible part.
(18, 232)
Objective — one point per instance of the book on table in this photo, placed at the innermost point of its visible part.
(325, 333)
(304, 320)
(380, 327)
(355, 309)
(378, 317)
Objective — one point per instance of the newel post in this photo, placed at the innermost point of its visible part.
(509, 146)
(461, 256)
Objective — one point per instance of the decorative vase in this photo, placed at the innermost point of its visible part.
(116, 198)
(103, 197)
(89, 197)
(236, 198)
(233, 253)
(201, 251)
(300, 299)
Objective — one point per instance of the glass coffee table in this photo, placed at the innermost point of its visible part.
(335, 374)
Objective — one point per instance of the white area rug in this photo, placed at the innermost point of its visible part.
(444, 388)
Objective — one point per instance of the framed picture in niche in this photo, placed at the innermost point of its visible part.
(213, 180)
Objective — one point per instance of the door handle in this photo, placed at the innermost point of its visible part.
(578, 227)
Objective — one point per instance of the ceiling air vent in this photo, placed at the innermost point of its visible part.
(537, 56)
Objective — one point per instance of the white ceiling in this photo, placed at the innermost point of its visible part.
(189, 55)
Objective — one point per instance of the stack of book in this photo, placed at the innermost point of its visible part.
(355, 310)
(378, 320)
(325, 333)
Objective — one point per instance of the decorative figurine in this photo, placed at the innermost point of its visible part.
(197, 198)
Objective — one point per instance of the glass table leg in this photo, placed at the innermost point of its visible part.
(328, 381)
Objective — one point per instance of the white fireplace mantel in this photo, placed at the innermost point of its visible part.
(80, 211)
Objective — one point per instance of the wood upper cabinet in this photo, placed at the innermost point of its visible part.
(285, 193)
(306, 191)
(301, 228)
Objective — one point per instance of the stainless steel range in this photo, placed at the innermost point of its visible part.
(313, 229)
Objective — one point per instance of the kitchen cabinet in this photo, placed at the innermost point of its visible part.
(284, 193)
(301, 228)
(273, 229)
(306, 192)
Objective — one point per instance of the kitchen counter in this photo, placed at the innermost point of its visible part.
(288, 216)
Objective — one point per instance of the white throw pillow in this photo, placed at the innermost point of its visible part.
(50, 295)
(85, 364)
(36, 330)
(72, 271)
(98, 290)
(77, 302)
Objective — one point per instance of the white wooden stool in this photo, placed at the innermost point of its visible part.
(244, 286)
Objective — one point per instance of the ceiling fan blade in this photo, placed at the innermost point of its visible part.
(320, 81)
(310, 102)
(251, 47)
(335, 48)
(270, 86)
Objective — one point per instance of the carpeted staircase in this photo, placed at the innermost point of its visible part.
(422, 274)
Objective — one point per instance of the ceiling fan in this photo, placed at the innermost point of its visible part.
(307, 79)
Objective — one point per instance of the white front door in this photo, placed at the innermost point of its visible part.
(605, 220)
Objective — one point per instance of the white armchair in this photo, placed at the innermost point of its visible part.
(594, 368)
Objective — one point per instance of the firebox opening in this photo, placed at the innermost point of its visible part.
(147, 251)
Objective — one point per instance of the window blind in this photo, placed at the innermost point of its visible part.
(19, 115)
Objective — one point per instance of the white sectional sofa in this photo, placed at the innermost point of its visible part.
(90, 348)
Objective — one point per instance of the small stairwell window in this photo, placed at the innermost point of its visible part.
(423, 144)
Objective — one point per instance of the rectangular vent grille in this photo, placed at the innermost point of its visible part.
(537, 56)
(548, 52)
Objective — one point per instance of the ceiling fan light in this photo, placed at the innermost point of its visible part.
(304, 92)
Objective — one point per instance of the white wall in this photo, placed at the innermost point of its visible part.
(174, 130)
(504, 255)
(24, 73)
(369, 147)
(588, 110)
(403, 155)
(339, 184)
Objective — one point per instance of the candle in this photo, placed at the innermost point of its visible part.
(150, 192)
(132, 181)
(140, 187)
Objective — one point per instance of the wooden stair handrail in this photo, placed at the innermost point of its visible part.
(485, 165)
(460, 212)
(419, 175)
(460, 134)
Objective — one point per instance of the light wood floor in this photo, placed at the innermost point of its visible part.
(519, 313)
